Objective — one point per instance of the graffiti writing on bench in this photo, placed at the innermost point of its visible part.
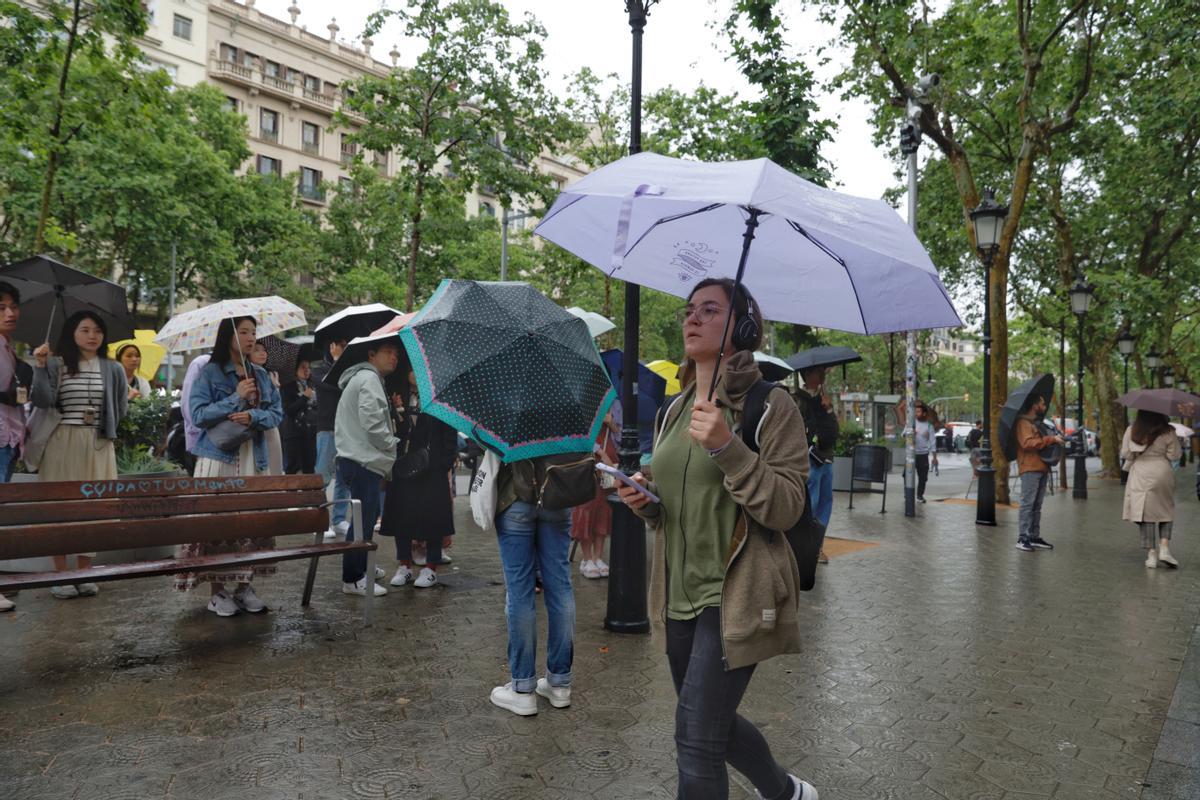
(181, 485)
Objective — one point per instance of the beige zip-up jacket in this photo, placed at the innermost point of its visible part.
(761, 593)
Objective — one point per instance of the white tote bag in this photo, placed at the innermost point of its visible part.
(483, 491)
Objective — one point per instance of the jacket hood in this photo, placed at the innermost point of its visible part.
(737, 376)
(352, 371)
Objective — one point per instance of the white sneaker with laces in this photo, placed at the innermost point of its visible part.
(584, 566)
(360, 588)
(602, 567)
(222, 604)
(247, 600)
(559, 696)
(590, 570)
(64, 592)
(341, 529)
(804, 790)
(523, 704)
(1152, 558)
(330, 534)
(403, 575)
(1165, 557)
(6, 604)
(446, 559)
(380, 572)
(426, 579)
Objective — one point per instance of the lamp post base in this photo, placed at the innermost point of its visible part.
(985, 504)
(1079, 491)
(626, 612)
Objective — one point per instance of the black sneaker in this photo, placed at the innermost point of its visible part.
(1040, 544)
(920, 499)
(1024, 544)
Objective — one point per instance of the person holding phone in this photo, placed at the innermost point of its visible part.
(724, 585)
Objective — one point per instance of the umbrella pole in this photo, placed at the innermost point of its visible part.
(747, 238)
(54, 307)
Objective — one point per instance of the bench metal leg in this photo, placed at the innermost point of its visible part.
(883, 508)
(312, 571)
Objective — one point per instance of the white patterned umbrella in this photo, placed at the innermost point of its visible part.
(197, 329)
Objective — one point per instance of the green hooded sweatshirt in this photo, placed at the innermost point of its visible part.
(362, 428)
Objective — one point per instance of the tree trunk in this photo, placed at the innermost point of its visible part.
(414, 245)
(999, 379)
(1111, 414)
(39, 237)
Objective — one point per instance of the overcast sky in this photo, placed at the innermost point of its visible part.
(680, 49)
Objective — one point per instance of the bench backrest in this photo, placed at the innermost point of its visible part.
(41, 519)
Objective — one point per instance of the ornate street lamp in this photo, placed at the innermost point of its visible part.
(1168, 377)
(1153, 361)
(1081, 300)
(1125, 344)
(988, 220)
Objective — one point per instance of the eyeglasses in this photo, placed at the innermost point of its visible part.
(704, 313)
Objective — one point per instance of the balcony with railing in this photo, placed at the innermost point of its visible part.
(313, 194)
(274, 85)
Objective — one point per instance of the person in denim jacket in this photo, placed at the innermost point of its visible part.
(231, 388)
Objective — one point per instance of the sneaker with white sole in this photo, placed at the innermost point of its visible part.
(523, 704)
(6, 604)
(1151, 559)
(380, 573)
(64, 592)
(446, 559)
(1040, 544)
(1165, 557)
(360, 588)
(403, 575)
(589, 570)
(341, 529)
(559, 696)
(247, 600)
(804, 790)
(330, 534)
(222, 604)
(1024, 545)
(87, 589)
(426, 579)
(602, 567)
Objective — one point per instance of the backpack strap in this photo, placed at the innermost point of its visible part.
(754, 407)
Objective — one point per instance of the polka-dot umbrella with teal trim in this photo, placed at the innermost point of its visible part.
(508, 367)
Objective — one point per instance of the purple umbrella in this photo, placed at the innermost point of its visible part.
(1168, 402)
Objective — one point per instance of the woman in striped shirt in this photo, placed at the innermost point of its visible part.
(88, 389)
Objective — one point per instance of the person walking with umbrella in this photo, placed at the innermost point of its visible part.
(1034, 472)
(15, 378)
(233, 402)
(89, 393)
(724, 581)
(1148, 448)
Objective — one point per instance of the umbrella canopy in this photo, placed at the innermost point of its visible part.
(1169, 402)
(197, 329)
(1183, 431)
(1043, 385)
(152, 352)
(394, 326)
(352, 322)
(817, 257)
(598, 324)
(772, 368)
(505, 365)
(356, 353)
(652, 387)
(668, 370)
(51, 291)
(282, 357)
(826, 356)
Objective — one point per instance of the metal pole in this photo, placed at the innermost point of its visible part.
(1125, 412)
(910, 369)
(985, 507)
(504, 244)
(171, 313)
(1079, 491)
(1062, 397)
(626, 610)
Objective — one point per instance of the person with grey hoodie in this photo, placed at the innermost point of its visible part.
(366, 442)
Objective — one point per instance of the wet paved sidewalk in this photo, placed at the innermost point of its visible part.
(942, 664)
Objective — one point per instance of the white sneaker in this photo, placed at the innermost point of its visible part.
(247, 600)
(380, 573)
(223, 605)
(341, 529)
(87, 589)
(360, 588)
(1165, 557)
(1152, 558)
(64, 592)
(403, 575)
(6, 604)
(804, 790)
(559, 696)
(584, 566)
(523, 704)
(589, 569)
(426, 579)
(602, 567)
(330, 534)
(446, 559)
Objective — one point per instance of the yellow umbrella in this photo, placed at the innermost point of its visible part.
(669, 371)
(152, 352)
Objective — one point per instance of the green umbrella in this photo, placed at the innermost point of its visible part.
(506, 366)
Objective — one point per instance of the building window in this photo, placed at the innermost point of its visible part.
(269, 166)
(310, 184)
(229, 53)
(349, 150)
(312, 84)
(232, 104)
(268, 125)
(183, 27)
(291, 75)
(345, 185)
(310, 138)
(381, 162)
(271, 69)
(486, 210)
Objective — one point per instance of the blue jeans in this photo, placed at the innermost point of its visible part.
(326, 454)
(820, 490)
(8, 461)
(532, 539)
(363, 485)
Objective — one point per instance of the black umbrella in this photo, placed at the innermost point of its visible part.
(51, 291)
(282, 357)
(1018, 399)
(505, 365)
(352, 322)
(827, 356)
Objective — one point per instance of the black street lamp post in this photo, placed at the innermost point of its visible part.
(1081, 299)
(1125, 345)
(1153, 361)
(626, 611)
(988, 219)
(1168, 377)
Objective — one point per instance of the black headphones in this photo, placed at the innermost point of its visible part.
(745, 327)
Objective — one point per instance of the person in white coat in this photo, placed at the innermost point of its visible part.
(1149, 447)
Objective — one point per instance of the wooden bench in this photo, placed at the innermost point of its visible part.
(67, 517)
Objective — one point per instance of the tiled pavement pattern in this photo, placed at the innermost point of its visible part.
(942, 664)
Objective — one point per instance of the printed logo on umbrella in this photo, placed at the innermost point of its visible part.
(693, 260)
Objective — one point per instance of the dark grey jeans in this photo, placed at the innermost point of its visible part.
(708, 730)
(1033, 492)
